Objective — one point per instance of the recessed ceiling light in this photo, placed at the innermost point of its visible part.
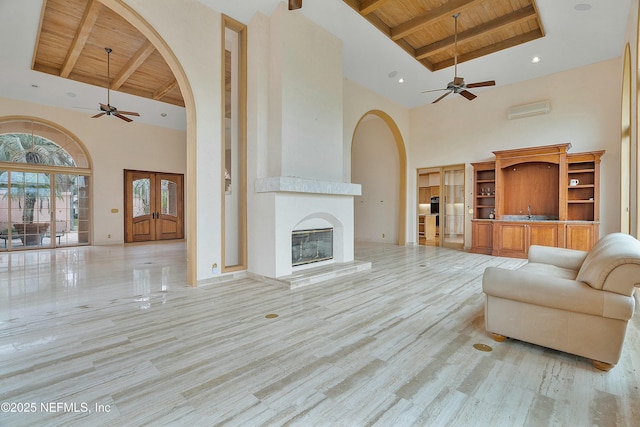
(582, 7)
(392, 74)
(401, 80)
(34, 85)
(163, 114)
(535, 59)
(71, 94)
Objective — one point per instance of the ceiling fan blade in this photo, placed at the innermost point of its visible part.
(482, 84)
(98, 115)
(441, 97)
(467, 95)
(129, 113)
(433, 90)
(105, 107)
(126, 119)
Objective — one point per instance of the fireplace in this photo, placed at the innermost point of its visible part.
(309, 246)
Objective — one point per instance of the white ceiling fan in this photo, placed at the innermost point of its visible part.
(107, 108)
(457, 85)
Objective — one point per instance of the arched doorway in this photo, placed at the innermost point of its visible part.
(152, 35)
(379, 163)
(45, 176)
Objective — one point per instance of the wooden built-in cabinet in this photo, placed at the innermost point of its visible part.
(543, 196)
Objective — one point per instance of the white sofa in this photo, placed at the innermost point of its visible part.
(573, 301)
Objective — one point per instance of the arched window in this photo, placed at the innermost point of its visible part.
(44, 186)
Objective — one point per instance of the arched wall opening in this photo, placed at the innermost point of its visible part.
(379, 163)
(135, 19)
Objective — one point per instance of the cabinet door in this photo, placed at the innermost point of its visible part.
(581, 236)
(482, 237)
(543, 234)
(424, 195)
(511, 240)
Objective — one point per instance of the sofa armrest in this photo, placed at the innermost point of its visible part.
(560, 257)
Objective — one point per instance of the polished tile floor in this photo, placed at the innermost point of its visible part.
(112, 336)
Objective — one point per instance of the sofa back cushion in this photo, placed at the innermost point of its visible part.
(616, 251)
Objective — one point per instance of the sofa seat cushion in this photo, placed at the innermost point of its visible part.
(555, 292)
(549, 270)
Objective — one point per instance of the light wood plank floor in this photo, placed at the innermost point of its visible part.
(112, 336)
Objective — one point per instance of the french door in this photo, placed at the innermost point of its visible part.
(452, 212)
(441, 213)
(154, 208)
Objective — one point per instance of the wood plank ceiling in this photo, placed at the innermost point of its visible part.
(425, 28)
(71, 43)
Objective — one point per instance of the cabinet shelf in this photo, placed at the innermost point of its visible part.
(580, 201)
(484, 181)
(570, 171)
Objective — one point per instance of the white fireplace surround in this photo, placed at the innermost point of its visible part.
(298, 204)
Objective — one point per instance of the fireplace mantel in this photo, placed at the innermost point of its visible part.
(290, 184)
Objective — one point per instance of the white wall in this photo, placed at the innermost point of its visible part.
(375, 164)
(306, 98)
(585, 111)
(113, 146)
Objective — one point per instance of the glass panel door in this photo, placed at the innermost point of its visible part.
(71, 214)
(25, 220)
(5, 205)
(452, 207)
(169, 218)
(141, 207)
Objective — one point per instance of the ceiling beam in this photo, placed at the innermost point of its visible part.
(164, 89)
(82, 34)
(368, 6)
(295, 4)
(514, 18)
(133, 64)
(445, 11)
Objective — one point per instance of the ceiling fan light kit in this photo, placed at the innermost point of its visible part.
(457, 85)
(107, 108)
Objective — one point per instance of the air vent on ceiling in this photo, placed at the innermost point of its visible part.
(542, 107)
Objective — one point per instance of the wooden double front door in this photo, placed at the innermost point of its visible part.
(154, 206)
